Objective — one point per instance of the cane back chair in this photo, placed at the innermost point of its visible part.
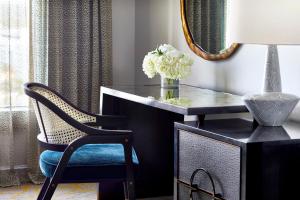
(77, 148)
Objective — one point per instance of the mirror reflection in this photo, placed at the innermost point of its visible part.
(206, 20)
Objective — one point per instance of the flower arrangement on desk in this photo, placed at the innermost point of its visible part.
(171, 64)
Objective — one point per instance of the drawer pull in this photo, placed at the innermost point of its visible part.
(202, 170)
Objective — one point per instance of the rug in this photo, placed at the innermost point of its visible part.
(82, 191)
(63, 192)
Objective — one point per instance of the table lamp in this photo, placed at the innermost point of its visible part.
(269, 22)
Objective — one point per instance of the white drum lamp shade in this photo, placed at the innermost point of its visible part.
(264, 21)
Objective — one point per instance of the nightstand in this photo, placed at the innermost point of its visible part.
(235, 160)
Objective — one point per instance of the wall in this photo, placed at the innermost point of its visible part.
(123, 30)
(151, 22)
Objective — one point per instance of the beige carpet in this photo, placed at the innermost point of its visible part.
(63, 192)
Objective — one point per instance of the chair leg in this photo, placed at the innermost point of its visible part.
(58, 173)
(125, 190)
(129, 169)
(43, 189)
(130, 190)
(50, 190)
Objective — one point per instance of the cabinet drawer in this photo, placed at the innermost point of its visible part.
(220, 159)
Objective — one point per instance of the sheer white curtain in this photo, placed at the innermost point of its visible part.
(16, 124)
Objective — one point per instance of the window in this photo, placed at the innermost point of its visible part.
(14, 52)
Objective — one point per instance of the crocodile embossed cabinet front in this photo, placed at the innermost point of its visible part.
(231, 159)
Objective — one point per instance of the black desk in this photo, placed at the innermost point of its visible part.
(151, 116)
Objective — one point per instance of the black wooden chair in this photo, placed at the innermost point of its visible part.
(77, 148)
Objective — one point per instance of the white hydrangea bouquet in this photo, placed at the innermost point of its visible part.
(171, 64)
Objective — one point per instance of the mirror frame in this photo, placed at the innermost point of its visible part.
(195, 47)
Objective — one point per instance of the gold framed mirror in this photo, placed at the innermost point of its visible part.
(204, 26)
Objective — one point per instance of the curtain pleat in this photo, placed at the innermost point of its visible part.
(39, 41)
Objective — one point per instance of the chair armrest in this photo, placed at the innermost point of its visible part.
(109, 121)
(90, 130)
(115, 138)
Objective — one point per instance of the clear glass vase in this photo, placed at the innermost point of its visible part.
(168, 93)
(169, 83)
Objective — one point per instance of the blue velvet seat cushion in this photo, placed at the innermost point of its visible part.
(88, 162)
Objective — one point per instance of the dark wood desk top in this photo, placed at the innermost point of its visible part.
(187, 100)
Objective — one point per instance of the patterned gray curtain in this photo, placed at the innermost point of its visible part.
(207, 23)
(78, 48)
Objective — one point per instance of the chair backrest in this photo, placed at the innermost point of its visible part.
(50, 109)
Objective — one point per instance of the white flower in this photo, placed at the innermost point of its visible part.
(173, 53)
(166, 48)
(149, 65)
(168, 62)
(185, 60)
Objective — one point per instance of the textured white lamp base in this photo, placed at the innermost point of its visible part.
(272, 79)
(272, 108)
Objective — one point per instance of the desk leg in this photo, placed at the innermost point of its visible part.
(110, 190)
(153, 141)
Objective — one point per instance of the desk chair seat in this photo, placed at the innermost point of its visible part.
(78, 148)
(94, 161)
